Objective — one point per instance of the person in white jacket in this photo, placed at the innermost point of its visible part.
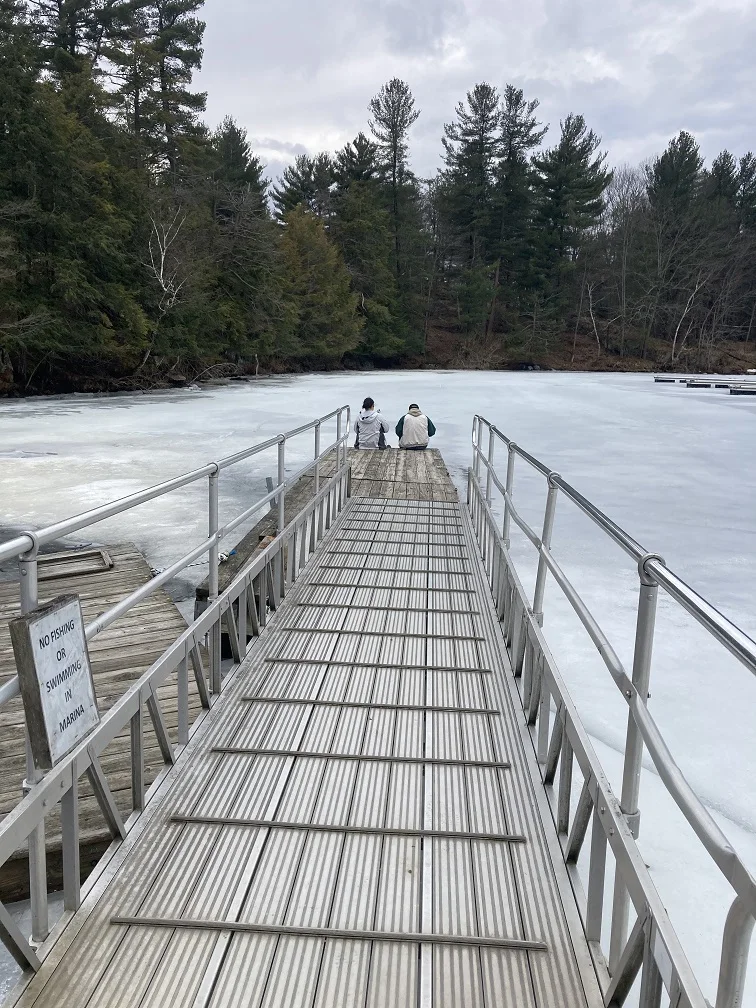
(370, 427)
(415, 429)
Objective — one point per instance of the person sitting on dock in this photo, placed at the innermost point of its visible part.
(370, 427)
(415, 429)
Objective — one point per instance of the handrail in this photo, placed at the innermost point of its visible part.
(256, 589)
(25, 548)
(642, 729)
(727, 632)
(30, 540)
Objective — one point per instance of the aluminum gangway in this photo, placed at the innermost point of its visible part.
(391, 799)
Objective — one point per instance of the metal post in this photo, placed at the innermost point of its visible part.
(281, 499)
(27, 565)
(489, 468)
(338, 456)
(317, 457)
(183, 700)
(69, 816)
(736, 943)
(548, 525)
(281, 519)
(644, 640)
(477, 438)
(214, 641)
(509, 485)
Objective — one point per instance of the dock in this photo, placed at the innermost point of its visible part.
(364, 757)
(388, 797)
(393, 473)
(120, 655)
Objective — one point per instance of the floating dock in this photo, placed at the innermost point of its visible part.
(119, 655)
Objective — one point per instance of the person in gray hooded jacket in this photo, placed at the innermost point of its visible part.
(370, 427)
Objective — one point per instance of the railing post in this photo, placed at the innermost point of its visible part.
(736, 943)
(509, 485)
(317, 457)
(214, 636)
(27, 565)
(489, 467)
(644, 641)
(339, 446)
(182, 691)
(281, 499)
(548, 525)
(477, 438)
(281, 518)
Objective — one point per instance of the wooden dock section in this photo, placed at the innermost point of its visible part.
(393, 473)
(120, 654)
(358, 820)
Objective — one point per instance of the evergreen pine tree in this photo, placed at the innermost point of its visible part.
(328, 323)
(362, 230)
(394, 113)
(73, 296)
(154, 54)
(238, 167)
(521, 133)
(305, 183)
(570, 181)
(358, 161)
(674, 178)
(471, 146)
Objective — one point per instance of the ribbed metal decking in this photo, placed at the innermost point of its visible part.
(411, 860)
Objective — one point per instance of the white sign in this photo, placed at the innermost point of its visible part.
(55, 678)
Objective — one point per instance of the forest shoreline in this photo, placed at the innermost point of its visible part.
(731, 363)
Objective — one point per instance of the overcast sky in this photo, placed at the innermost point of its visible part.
(298, 74)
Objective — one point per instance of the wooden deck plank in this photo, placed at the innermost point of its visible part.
(120, 655)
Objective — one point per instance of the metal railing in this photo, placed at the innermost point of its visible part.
(245, 603)
(652, 948)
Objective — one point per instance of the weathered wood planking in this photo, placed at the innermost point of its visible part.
(394, 474)
(120, 654)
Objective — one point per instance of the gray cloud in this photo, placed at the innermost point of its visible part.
(299, 74)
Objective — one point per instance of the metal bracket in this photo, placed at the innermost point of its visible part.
(645, 577)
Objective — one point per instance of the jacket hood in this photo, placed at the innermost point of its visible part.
(415, 411)
(368, 417)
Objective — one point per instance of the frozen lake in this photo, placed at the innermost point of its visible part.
(673, 466)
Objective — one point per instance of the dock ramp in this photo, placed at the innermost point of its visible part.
(387, 800)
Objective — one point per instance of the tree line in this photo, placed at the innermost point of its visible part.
(138, 247)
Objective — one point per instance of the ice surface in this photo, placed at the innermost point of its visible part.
(672, 465)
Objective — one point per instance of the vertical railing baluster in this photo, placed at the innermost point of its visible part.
(214, 635)
(182, 689)
(642, 654)
(733, 963)
(565, 786)
(278, 572)
(27, 565)
(317, 458)
(489, 467)
(69, 822)
(241, 622)
(137, 759)
(508, 496)
(544, 713)
(594, 913)
(477, 427)
(339, 447)
(652, 985)
(548, 526)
